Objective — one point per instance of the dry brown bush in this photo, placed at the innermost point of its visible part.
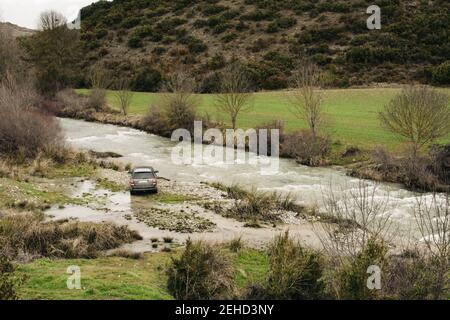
(24, 130)
(28, 234)
(305, 148)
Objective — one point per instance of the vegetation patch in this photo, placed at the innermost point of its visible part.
(171, 220)
(29, 234)
(164, 197)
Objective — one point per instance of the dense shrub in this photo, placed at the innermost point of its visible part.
(413, 276)
(28, 234)
(294, 272)
(97, 99)
(351, 278)
(441, 74)
(8, 280)
(24, 130)
(134, 42)
(202, 272)
(306, 149)
(147, 79)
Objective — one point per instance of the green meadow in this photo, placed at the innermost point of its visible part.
(351, 114)
(112, 278)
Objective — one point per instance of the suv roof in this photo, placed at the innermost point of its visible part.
(143, 169)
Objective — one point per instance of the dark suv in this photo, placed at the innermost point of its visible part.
(143, 179)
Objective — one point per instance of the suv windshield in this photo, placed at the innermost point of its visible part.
(143, 175)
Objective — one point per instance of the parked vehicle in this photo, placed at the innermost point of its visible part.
(143, 179)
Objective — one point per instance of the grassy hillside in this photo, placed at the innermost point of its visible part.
(352, 113)
(146, 39)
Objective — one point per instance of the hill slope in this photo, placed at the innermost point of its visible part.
(14, 30)
(135, 37)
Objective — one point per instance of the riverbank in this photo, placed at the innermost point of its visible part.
(94, 192)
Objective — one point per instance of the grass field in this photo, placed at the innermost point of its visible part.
(352, 114)
(119, 278)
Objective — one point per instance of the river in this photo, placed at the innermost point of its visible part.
(307, 185)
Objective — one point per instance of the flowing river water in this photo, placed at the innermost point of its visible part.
(307, 185)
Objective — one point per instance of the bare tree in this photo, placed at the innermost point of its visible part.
(99, 80)
(433, 221)
(236, 96)
(50, 20)
(9, 53)
(180, 102)
(360, 216)
(419, 114)
(124, 95)
(306, 99)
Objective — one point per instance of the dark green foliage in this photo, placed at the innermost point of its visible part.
(134, 42)
(8, 280)
(294, 272)
(202, 272)
(413, 44)
(352, 278)
(441, 74)
(55, 55)
(147, 80)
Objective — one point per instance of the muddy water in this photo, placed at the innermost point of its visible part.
(306, 184)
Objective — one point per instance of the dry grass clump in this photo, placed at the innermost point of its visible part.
(202, 272)
(254, 205)
(28, 234)
(123, 253)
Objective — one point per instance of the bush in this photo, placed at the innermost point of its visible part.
(8, 280)
(352, 277)
(201, 273)
(147, 80)
(294, 272)
(134, 42)
(24, 130)
(441, 74)
(28, 234)
(411, 276)
(177, 109)
(305, 149)
(97, 99)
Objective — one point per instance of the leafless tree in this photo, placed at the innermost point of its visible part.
(419, 114)
(124, 95)
(9, 53)
(306, 99)
(50, 20)
(359, 216)
(99, 80)
(433, 221)
(235, 96)
(180, 102)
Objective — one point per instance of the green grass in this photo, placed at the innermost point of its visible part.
(105, 278)
(164, 197)
(251, 267)
(114, 278)
(352, 114)
(28, 195)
